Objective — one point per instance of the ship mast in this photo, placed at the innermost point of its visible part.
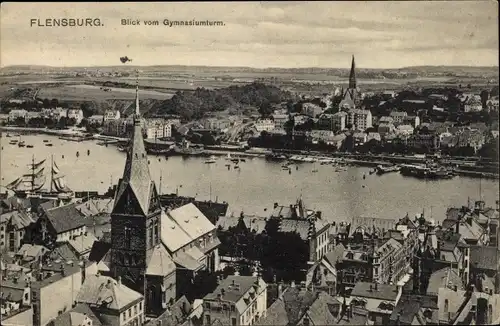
(32, 173)
(51, 171)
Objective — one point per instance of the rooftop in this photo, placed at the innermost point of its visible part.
(385, 292)
(445, 277)
(65, 218)
(100, 290)
(484, 257)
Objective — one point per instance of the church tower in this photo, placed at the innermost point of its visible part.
(352, 75)
(135, 218)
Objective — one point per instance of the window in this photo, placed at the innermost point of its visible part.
(128, 237)
(445, 306)
(124, 315)
(305, 322)
(130, 313)
(140, 306)
(233, 322)
(150, 237)
(207, 320)
(135, 310)
(156, 232)
(26, 296)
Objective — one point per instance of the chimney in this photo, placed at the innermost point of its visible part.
(275, 205)
(280, 290)
(119, 280)
(318, 214)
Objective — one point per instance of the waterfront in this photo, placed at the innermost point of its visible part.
(258, 183)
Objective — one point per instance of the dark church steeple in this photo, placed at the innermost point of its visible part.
(352, 75)
(136, 214)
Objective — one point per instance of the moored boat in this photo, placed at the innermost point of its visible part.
(212, 159)
(386, 169)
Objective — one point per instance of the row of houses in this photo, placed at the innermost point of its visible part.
(55, 114)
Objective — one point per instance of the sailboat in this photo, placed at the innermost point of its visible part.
(31, 183)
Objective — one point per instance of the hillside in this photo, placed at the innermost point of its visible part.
(195, 104)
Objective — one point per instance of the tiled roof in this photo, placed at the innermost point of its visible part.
(83, 243)
(319, 312)
(446, 277)
(236, 288)
(384, 291)
(15, 203)
(65, 252)
(98, 288)
(172, 235)
(367, 223)
(295, 225)
(192, 221)
(160, 262)
(18, 219)
(276, 314)
(31, 251)
(65, 218)
(189, 259)
(485, 257)
(388, 246)
(95, 207)
(336, 254)
(175, 315)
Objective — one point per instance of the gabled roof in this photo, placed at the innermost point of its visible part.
(82, 243)
(98, 290)
(192, 220)
(172, 235)
(99, 250)
(31, 251)
(18, 219)
(65, 218)
(336, 254)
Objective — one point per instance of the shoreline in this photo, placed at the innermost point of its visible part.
(352, 158)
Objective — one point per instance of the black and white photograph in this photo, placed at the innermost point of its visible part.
(300, 163)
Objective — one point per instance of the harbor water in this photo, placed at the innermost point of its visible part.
(257, 184)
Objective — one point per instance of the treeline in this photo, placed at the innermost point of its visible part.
(195, 104)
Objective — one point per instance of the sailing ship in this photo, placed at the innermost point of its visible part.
(386, 169)
(31, 184)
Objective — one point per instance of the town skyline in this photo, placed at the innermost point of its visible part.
(381, 35)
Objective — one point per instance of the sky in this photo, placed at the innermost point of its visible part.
(256, 34)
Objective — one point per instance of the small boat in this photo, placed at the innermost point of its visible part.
(21, 144)
(88, 151)
(386, 169)
(8, 136)
(77, 154)
(29, 146)
(211, 160)
(49, 144)
(45, 140)
(122, 149)
(242, 160)
(236, 167)
(13, 142)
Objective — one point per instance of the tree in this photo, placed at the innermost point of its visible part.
(265, 109)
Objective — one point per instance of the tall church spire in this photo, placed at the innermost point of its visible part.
(352, 75)
(136, 193)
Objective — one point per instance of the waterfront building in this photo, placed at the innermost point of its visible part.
(237, 300)
(430, 141)
(359, 119)
(76, 114)
(280, 120)
(157, 128)
(264, 125)
(15, 298)
(96, 119)
(379, 300)
(16, 114)
(30, 115)
(14, 227)
(373, 135)
(324, 136)
(359, 138)
(111, 115)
